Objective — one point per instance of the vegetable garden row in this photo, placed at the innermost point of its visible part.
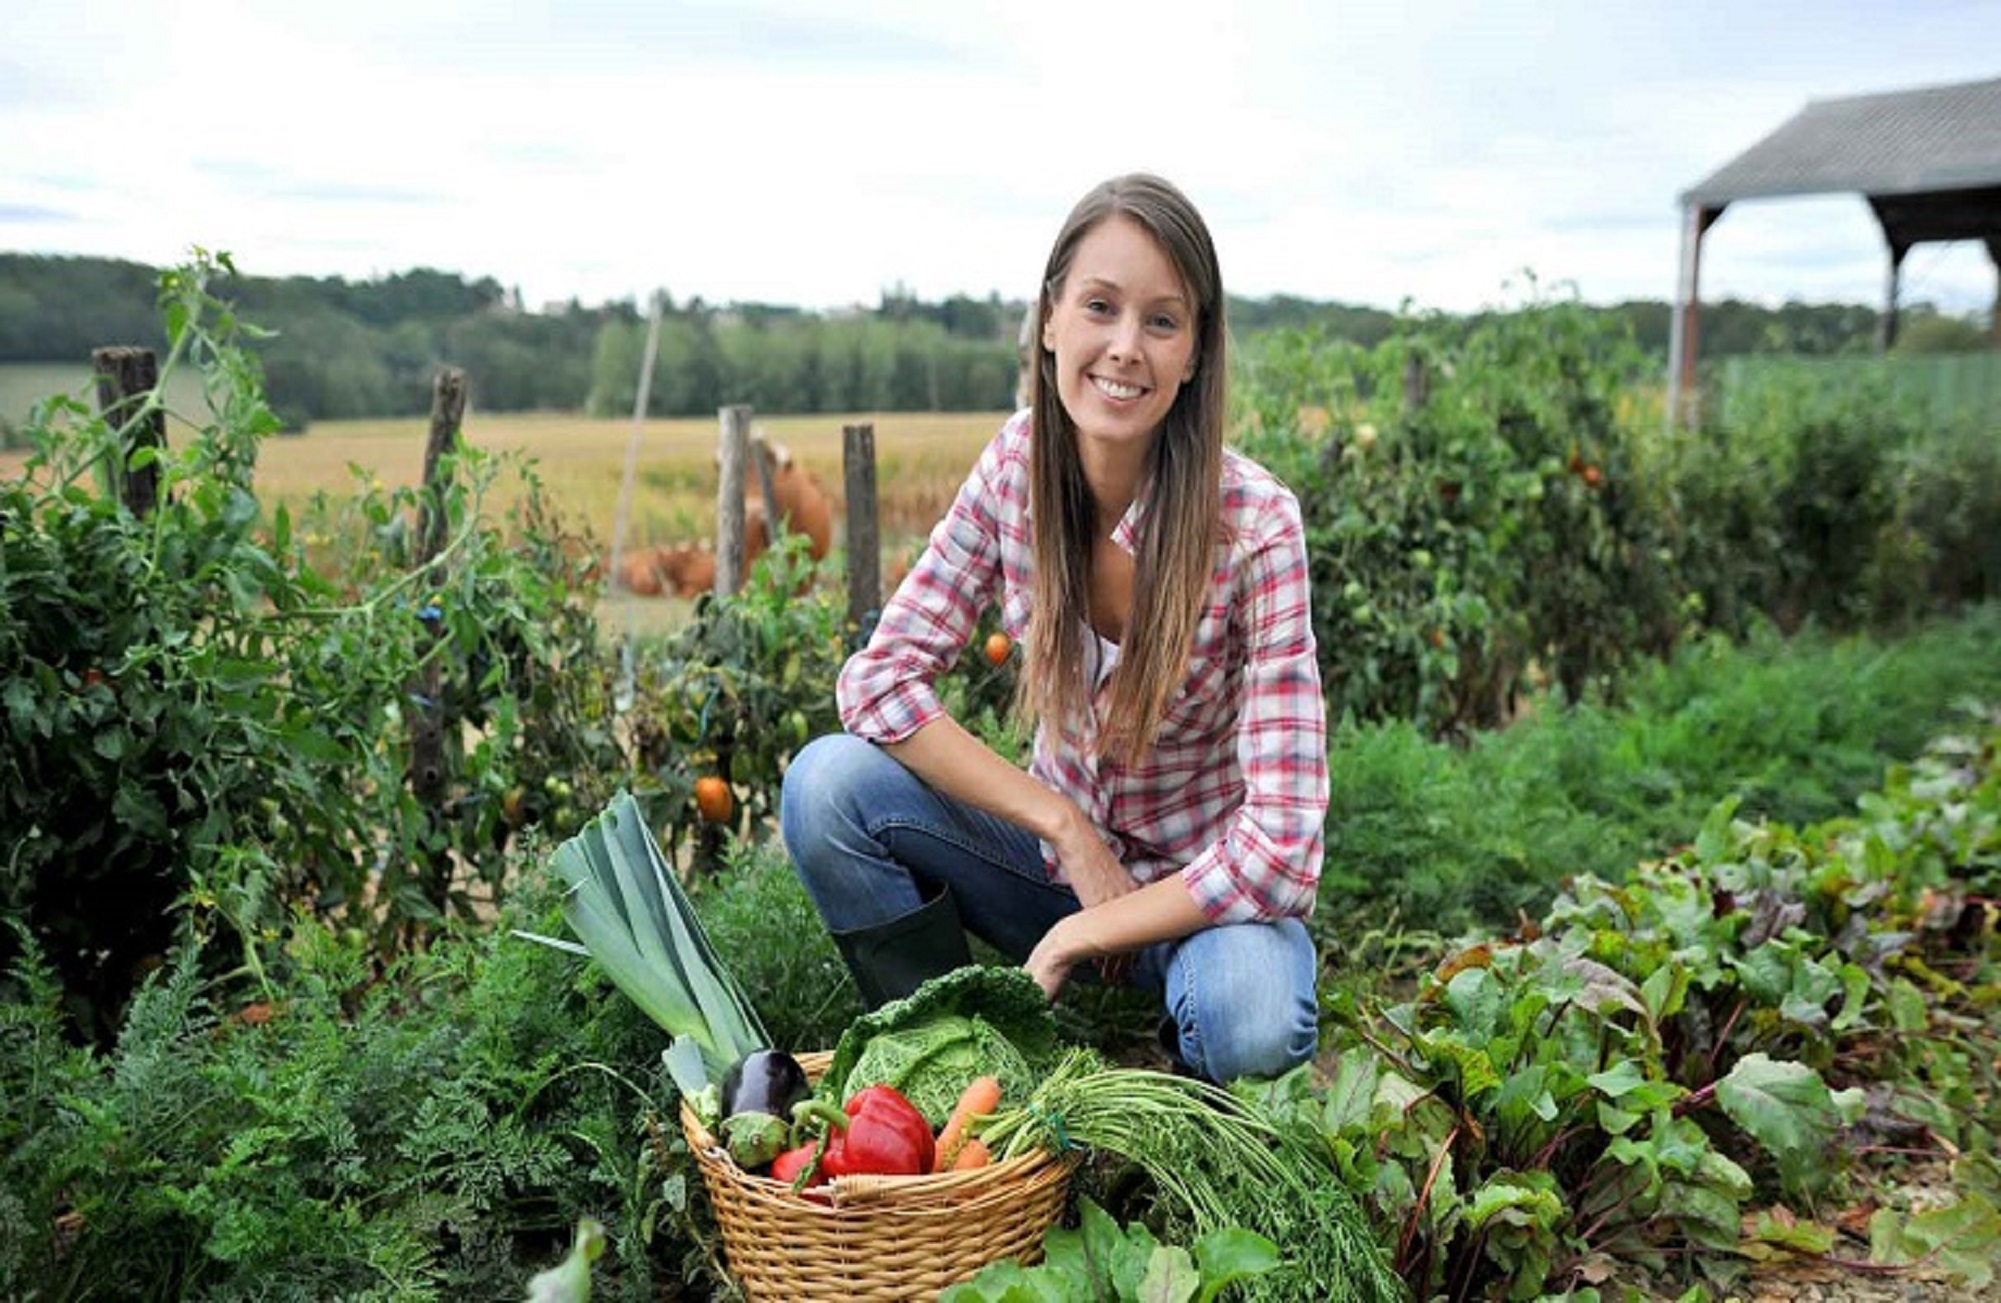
(1688, 971)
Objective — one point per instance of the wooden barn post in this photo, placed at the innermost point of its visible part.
(1416, 382)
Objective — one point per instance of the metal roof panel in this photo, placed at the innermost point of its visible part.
(1898, 143)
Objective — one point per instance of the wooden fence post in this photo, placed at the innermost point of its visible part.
(448, 410)
(735, 421)
(428, 770)
(1416, 382)
(864, 534)
(125, 376)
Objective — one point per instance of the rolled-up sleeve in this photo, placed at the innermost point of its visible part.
(1267, 863)
(885, 691)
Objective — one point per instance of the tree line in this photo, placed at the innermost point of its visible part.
(342, 348)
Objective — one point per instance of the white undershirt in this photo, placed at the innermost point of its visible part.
(1105, 655)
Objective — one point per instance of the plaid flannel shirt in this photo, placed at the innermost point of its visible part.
(1233, 793)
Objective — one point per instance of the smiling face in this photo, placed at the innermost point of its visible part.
(1122, 331)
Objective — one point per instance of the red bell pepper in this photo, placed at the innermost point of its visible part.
(788, 1165)
(877, 1133)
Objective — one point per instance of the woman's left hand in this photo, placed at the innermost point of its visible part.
(1059, 952)
(1113, 932)
(1052, 959)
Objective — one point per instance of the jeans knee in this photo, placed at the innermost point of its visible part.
(1246, 1001)
(816, 793)
(1259, 1037)
(1259, 1047)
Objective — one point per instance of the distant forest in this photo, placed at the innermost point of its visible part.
(370, 348)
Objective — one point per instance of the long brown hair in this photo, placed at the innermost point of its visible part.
(1182, 485)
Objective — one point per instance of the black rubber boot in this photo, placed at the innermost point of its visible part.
(890, 960)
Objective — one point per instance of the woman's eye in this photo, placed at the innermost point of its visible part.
(1165, 323)
(1099, 307)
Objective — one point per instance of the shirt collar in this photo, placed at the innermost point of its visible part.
(1127, 532)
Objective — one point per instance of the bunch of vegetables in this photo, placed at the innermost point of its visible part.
(933, 1066)
(771, 1123)
(1218, 1163)
(974, 1022)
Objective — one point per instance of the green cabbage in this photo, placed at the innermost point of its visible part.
(977, 1021)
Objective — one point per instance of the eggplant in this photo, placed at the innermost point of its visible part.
(758, 1093)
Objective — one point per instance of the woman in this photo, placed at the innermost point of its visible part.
(1168, 827)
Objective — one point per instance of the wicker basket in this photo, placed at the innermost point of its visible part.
(876, 1237)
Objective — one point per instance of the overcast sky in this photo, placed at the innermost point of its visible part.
(814, 153)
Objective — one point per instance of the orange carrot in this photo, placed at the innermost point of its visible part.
(974, 1153)
(981, 1095)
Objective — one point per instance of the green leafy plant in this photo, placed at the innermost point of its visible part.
(626, 905)
(732, 696)
(1101, 1260)
(198, 710)
(1621, 1082)
(1476, 510)
(1492, 505)
(432, 1130)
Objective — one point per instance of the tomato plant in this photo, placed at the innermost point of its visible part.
(732, 697)
(195, 711)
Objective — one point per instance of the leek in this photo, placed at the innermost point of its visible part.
(626, 905)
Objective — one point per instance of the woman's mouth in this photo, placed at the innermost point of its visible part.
(1117, 391)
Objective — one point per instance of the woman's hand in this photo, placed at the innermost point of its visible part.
(1063, 947)
(1089, 866)
(1053, 957)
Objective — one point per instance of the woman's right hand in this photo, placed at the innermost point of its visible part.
(1088, 864)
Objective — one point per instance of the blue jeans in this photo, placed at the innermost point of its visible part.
(871, 842)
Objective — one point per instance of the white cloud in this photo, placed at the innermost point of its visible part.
(811, 152)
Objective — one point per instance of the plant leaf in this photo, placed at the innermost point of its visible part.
(1231, 1254)
(1170, 1276)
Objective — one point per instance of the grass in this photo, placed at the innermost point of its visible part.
(1453, 840)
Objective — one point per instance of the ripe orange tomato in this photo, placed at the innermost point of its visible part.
(997, 649)
(713, 798)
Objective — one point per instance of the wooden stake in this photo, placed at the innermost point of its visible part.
(735, 422)
(864, 536)
(125, 377)
(429, 772)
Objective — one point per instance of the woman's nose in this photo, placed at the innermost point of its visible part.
(1126, 338)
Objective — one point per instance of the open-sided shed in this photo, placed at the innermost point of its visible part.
(1928, 161)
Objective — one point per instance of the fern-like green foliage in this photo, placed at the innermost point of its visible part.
(425, 1132)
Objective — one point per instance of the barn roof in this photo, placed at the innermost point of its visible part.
(1928, 161)
(1901, 143)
